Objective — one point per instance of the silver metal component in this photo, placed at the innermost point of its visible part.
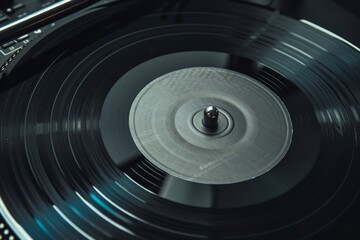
(224, 125)
(35, 14)
(15, 226)
(211, 117)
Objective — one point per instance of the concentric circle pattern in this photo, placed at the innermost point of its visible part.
(69, 170)
(161, 124)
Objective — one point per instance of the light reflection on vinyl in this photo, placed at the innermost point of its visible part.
(71, 168)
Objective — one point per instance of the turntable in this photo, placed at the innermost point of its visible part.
(180, 120)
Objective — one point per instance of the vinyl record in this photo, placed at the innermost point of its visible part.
(102, 131)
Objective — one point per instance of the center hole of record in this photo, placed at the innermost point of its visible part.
(210, 125)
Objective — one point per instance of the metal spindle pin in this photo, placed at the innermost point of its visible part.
(211, 116)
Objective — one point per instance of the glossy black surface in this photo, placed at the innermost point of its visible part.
(54, 158)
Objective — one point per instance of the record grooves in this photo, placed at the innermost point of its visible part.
(72, 167)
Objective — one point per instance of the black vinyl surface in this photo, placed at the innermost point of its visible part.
(59, 177)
